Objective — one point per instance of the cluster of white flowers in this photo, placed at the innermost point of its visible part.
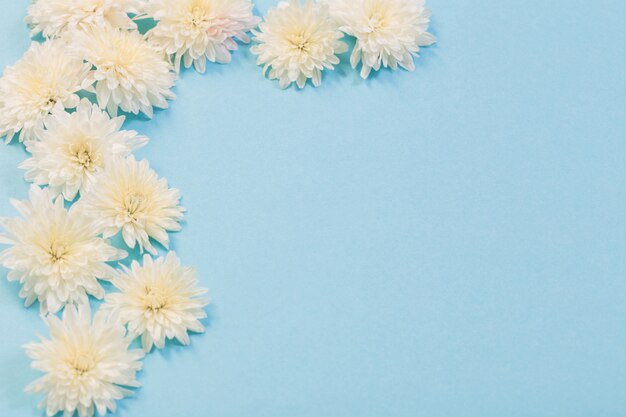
(62, 99)
(296, 41)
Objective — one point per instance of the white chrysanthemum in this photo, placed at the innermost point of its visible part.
(75, 146)
(87, 365)
(296, 42)
(128, 72)
(31, 88)
(128, 196)
(56, 254)
(159, 300)
(53, 17)
(197, 30)
(387, 32)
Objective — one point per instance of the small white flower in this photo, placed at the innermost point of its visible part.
(387, 32)
(53, 17)
(87, 365)
(128, 72)
(75, 146)
(56, 254)
(128, 196)
(159, 300)
(31, 88)
(197, 30)
(296, 42)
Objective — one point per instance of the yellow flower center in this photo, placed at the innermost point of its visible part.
(84, 156)
(133, 204)
(197, 16)
(42, 93)
(57, 252)
(82, 362)
(300, 41)
(155, 299)
(51, 101)
(376, 21)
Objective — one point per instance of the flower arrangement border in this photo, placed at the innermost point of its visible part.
(62, 101)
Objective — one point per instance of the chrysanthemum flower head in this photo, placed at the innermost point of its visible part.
(159, 300)
(198, 30)
(88, 365)
(128, 196)
(56, 254)
(74, 146)
(30, 89)
(54, 17)
(296, 42)
(388, 33)
(128, 72)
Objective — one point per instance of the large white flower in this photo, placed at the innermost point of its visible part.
(128, 72)
(87, 365)
(197, 30)
(159, 300)
(75, 146)
(387, 32)
(53, 17)
(31, 88)
(56, 254)
(296, 42)
(128, 196)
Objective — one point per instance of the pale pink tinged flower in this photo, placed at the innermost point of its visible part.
(194, 31)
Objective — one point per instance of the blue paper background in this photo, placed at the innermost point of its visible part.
(444, 243)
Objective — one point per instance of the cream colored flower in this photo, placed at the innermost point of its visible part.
(88, 365)
(56, 254)
(388, 33)
(296, 42)
(31, 88)
(75, 146)
(198, 30)
(128, 196)
(54, 17)
(159, 300)
(128, 72)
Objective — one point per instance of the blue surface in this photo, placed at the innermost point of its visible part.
(444, 243)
